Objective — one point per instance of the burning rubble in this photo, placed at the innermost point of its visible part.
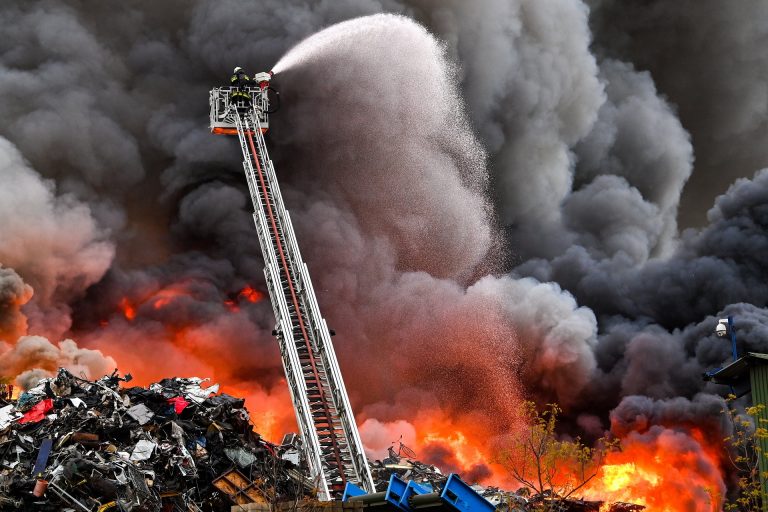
(78, 445)
(74, 444)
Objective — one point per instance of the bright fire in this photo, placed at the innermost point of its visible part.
(665, 470)
(465, 453)
(165, 324)
(454, 443)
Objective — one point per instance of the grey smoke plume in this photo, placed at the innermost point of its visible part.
(54, 242)
(14, 293)
(51, 241)
(533, 92)
(34, 357)
(412, 166)
(379, 159)
(639, 413)
(705, 57)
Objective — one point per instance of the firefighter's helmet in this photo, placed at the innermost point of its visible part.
(238, 68)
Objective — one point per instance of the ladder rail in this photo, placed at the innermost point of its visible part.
(342, 398)
(290, 359)
(332, 443)
(294, 299)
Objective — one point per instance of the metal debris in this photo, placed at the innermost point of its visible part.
(403, 463)
(77, 445)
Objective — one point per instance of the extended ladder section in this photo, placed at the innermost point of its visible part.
(330, 439)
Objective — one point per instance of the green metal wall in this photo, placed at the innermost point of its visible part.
(758, 376)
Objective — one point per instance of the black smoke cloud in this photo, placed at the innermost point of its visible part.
(492, 212)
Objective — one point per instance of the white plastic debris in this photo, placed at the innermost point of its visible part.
(77, 402)
(197, 394)
(143, 450)
(190, 388)
(140, 413)
(8, 416)
(39, 389)
(292, 455)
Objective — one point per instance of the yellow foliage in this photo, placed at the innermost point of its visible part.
(545, 463)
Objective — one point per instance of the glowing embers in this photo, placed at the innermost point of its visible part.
(157, 299)
(179, 296)
(128, 309)
(166, 296)
(247, 294)
(131, 306)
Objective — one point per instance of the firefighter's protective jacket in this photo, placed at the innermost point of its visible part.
(241, 81)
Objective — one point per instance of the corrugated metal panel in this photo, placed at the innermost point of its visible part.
(758, 376)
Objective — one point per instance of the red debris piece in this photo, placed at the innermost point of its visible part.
(179, 403)
(37, 412)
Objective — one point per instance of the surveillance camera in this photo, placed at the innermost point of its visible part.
(721, 330)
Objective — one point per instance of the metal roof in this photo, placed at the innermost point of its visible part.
(737, 370)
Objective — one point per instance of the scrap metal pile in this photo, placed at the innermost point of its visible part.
(71, 444)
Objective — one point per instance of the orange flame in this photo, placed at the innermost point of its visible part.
(167, 295)
(225, 348)
(666, 471)
(454, 443)
(128, 309)
(161, 298)
(250, 294)
(663, 469)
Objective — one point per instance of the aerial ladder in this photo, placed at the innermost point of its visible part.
(330, 440)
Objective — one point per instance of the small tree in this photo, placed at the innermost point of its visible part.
(744, 454)
(552, 468)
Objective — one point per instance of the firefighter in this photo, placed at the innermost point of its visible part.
(239, 81)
